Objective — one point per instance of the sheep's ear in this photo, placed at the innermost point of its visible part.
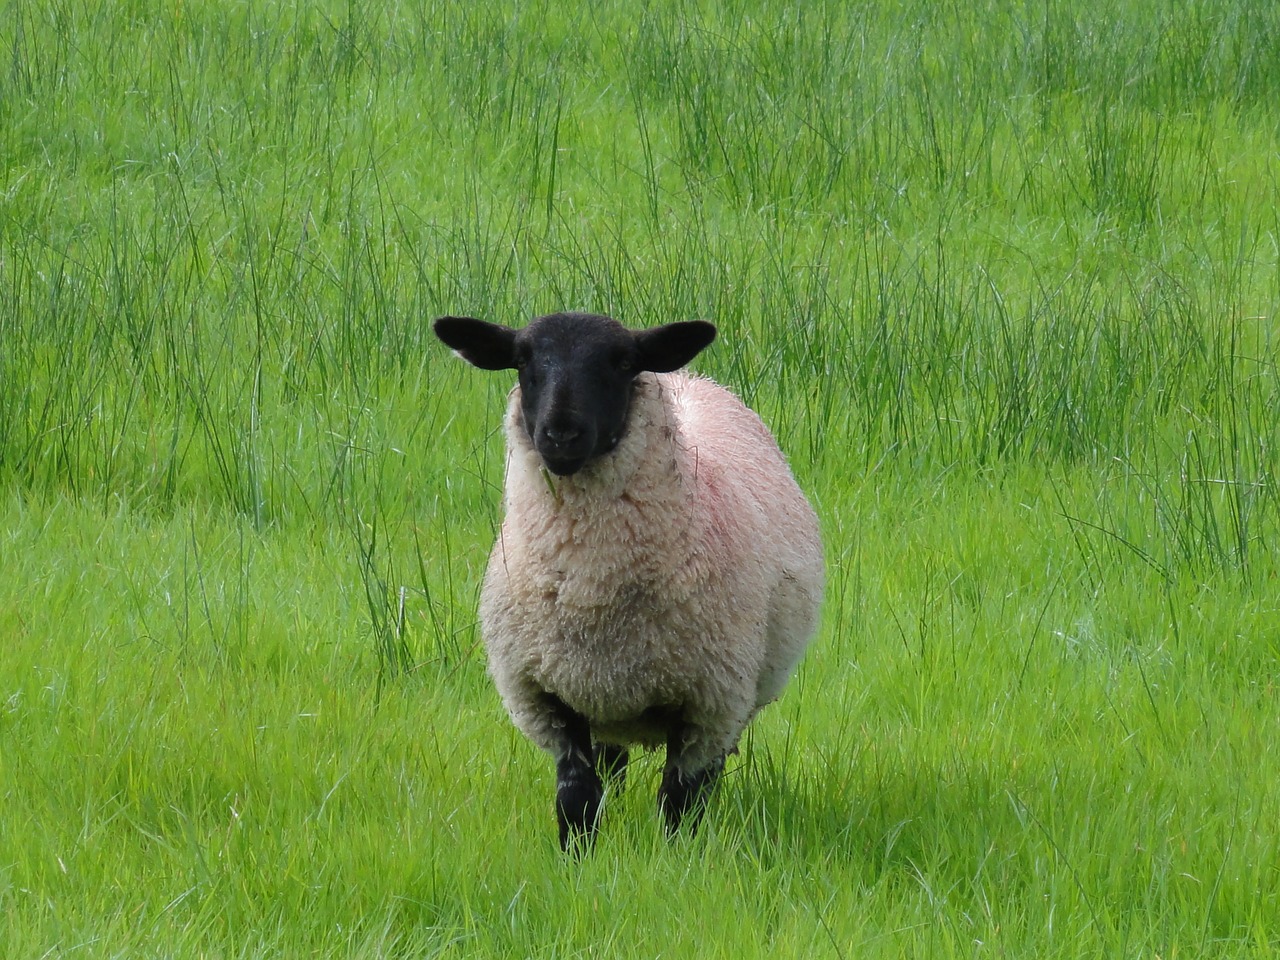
(489, 346)
(670, 347)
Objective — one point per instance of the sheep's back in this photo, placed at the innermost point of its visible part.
(752, 486)
(747, 466)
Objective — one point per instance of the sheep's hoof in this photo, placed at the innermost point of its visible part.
(578, 806)
(682, 797)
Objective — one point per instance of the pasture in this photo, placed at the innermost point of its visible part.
(1004, 280)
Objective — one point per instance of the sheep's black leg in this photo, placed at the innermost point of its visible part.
(611, 763)
(578, 788)
(682, 795)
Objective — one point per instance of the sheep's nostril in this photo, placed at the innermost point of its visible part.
(562, 435)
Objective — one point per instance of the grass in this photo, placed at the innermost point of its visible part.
(1003, 279)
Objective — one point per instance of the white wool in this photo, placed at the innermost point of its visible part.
(681, 571)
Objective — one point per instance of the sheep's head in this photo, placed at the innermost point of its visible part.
(576, 374)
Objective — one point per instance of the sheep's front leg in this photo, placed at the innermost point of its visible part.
(579, 791)
(683, 793)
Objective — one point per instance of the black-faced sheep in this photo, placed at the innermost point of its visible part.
(658, 573)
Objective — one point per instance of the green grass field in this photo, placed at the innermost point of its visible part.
(1004, 279)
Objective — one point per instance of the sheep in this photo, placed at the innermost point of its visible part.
(658, 573)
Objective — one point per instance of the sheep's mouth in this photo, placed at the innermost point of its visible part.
(564, 466)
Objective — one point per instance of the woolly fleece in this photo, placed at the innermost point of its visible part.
(681, 573)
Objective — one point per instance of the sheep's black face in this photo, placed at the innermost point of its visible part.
(576, 374)
(575, 387)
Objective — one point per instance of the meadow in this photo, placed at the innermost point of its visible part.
(1003, 278)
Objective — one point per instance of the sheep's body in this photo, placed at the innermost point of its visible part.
(663, 586)
(677, 579)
